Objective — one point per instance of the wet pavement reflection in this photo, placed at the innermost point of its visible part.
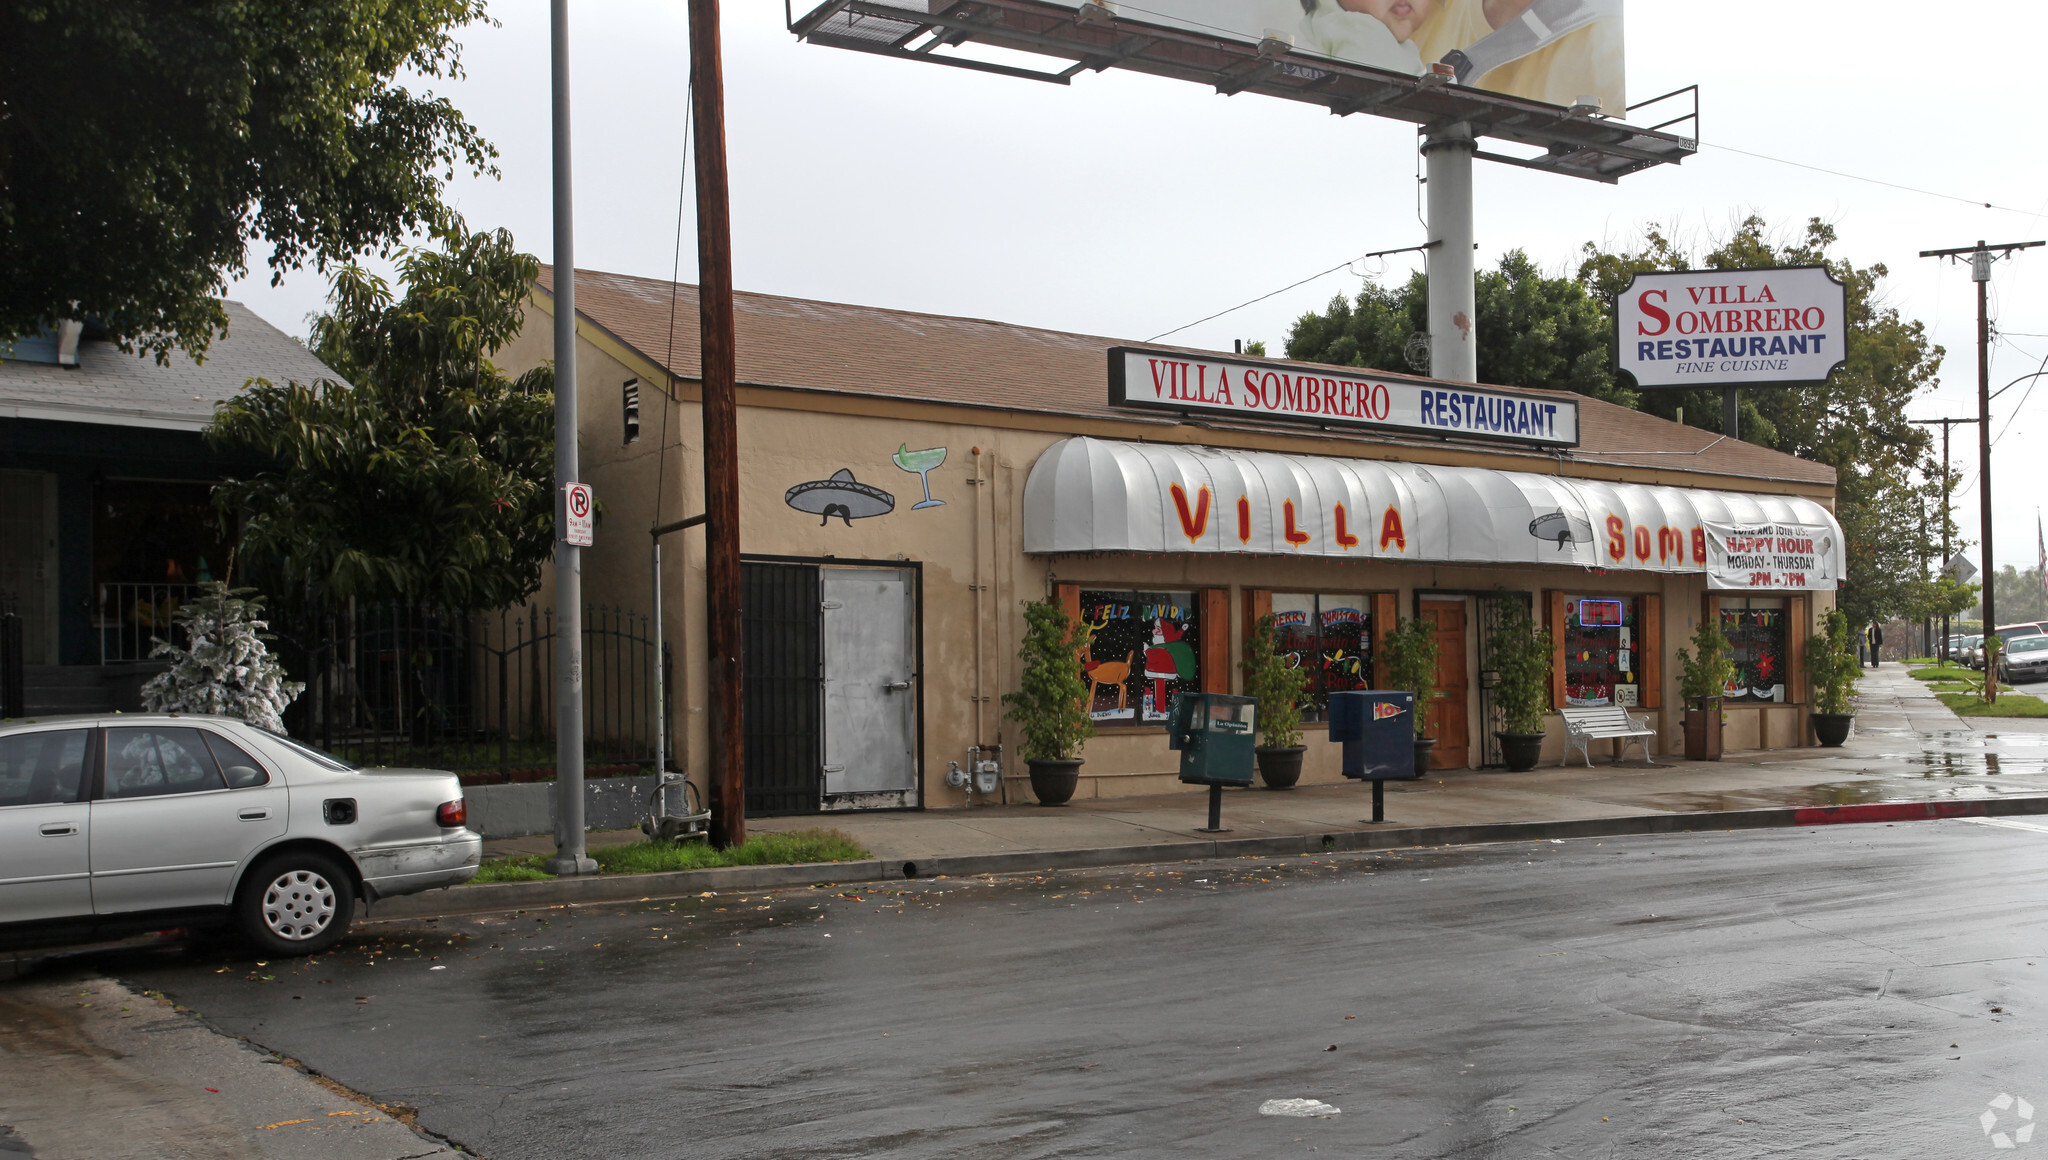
(1854, 991)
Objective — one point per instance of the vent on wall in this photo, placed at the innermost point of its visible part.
(632, 403)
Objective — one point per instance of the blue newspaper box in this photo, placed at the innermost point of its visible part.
(1377, 729)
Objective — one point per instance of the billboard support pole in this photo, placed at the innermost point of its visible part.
(1731, 414)
(1453, 303)
(569, 857)
(727, 775)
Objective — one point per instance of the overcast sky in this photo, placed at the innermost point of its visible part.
(1125, 205)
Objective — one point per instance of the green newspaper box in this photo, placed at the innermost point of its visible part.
(1215, 733)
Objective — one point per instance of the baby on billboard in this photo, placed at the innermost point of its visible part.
(1546, 50)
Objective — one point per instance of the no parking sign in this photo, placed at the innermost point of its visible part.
(576, 521)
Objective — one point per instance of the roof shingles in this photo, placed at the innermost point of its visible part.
(868, 350)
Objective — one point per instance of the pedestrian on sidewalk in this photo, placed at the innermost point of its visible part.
(1876, 644)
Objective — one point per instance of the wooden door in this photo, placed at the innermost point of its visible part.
(1447, 718)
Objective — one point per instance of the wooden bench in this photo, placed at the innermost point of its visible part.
(1585, 725)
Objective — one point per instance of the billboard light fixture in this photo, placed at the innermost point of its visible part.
(1275, 43)
(1096, 12)
(1585, 105)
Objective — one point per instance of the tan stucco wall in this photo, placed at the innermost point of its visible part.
(974, 571)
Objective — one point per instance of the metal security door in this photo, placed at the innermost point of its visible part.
(781, 697)
(869, 629)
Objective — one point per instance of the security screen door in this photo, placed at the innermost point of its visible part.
(869, 631)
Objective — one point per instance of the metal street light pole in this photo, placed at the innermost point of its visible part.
(1981, 257)
(569, 855)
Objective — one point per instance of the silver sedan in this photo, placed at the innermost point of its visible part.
(113, 825)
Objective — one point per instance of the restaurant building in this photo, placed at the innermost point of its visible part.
(908, 480)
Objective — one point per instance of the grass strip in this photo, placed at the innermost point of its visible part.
(1943, 673)
(795, 847)
(2008, 705)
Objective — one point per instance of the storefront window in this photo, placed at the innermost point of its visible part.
(1600, 638)
(1147, 647)
(1755, 628)
(1330, 635)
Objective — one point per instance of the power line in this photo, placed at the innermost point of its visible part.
(1284, 289)
(1869, 180)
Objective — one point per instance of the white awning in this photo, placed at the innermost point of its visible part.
(1095, 495)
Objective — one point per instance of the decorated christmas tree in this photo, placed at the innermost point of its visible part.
(223, 667)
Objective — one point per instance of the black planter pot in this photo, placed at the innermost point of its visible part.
(1832, 729)
(1424, 746)
(1520, 751)
(1053, 782)
(1280, 768)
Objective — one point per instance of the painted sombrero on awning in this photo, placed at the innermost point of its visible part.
(1095, 495)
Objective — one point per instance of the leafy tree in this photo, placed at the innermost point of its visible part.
(426, 475)
(144, 145)
(1534, 331)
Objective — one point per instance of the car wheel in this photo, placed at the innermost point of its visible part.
(296, 903)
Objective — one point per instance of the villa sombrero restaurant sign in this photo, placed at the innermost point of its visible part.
(1173, 381)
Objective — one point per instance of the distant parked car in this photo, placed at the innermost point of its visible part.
(2026, 659)
(115, 825)
(1972, 652)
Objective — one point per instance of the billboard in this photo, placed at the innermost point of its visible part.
(1731, 328)
(1176, 381)
(1543, 50)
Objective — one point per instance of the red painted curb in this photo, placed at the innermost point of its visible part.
(1886, 812)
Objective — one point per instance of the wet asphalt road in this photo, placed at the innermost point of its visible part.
(1852, 991)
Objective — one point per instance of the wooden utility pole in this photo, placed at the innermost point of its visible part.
(1981, 257)
(721, 431)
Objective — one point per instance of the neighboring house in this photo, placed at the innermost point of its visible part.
(106, 517)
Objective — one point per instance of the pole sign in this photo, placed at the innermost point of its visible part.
(1784, 326)
(577, 524)
(1175, 381)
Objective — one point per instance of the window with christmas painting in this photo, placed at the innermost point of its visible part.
(1755, 628)
(1146, 648)
(1600, 650)
(1328, 634)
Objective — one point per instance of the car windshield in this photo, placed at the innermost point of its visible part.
(2028, 644)
(317, 756)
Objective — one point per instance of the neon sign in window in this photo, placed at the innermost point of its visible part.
(1600, 613)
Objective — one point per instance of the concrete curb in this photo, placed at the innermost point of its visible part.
(635, 887)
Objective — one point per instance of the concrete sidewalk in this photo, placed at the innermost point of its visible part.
(1907, 747)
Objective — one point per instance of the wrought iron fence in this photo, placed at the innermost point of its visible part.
(399, 686)
(129, 617)
(13, 690)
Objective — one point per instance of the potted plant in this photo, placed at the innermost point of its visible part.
(1704, 678)
(1522, 656)
(1832, 667)
(1276, 686)
(1410, 650)
(1050, 704)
